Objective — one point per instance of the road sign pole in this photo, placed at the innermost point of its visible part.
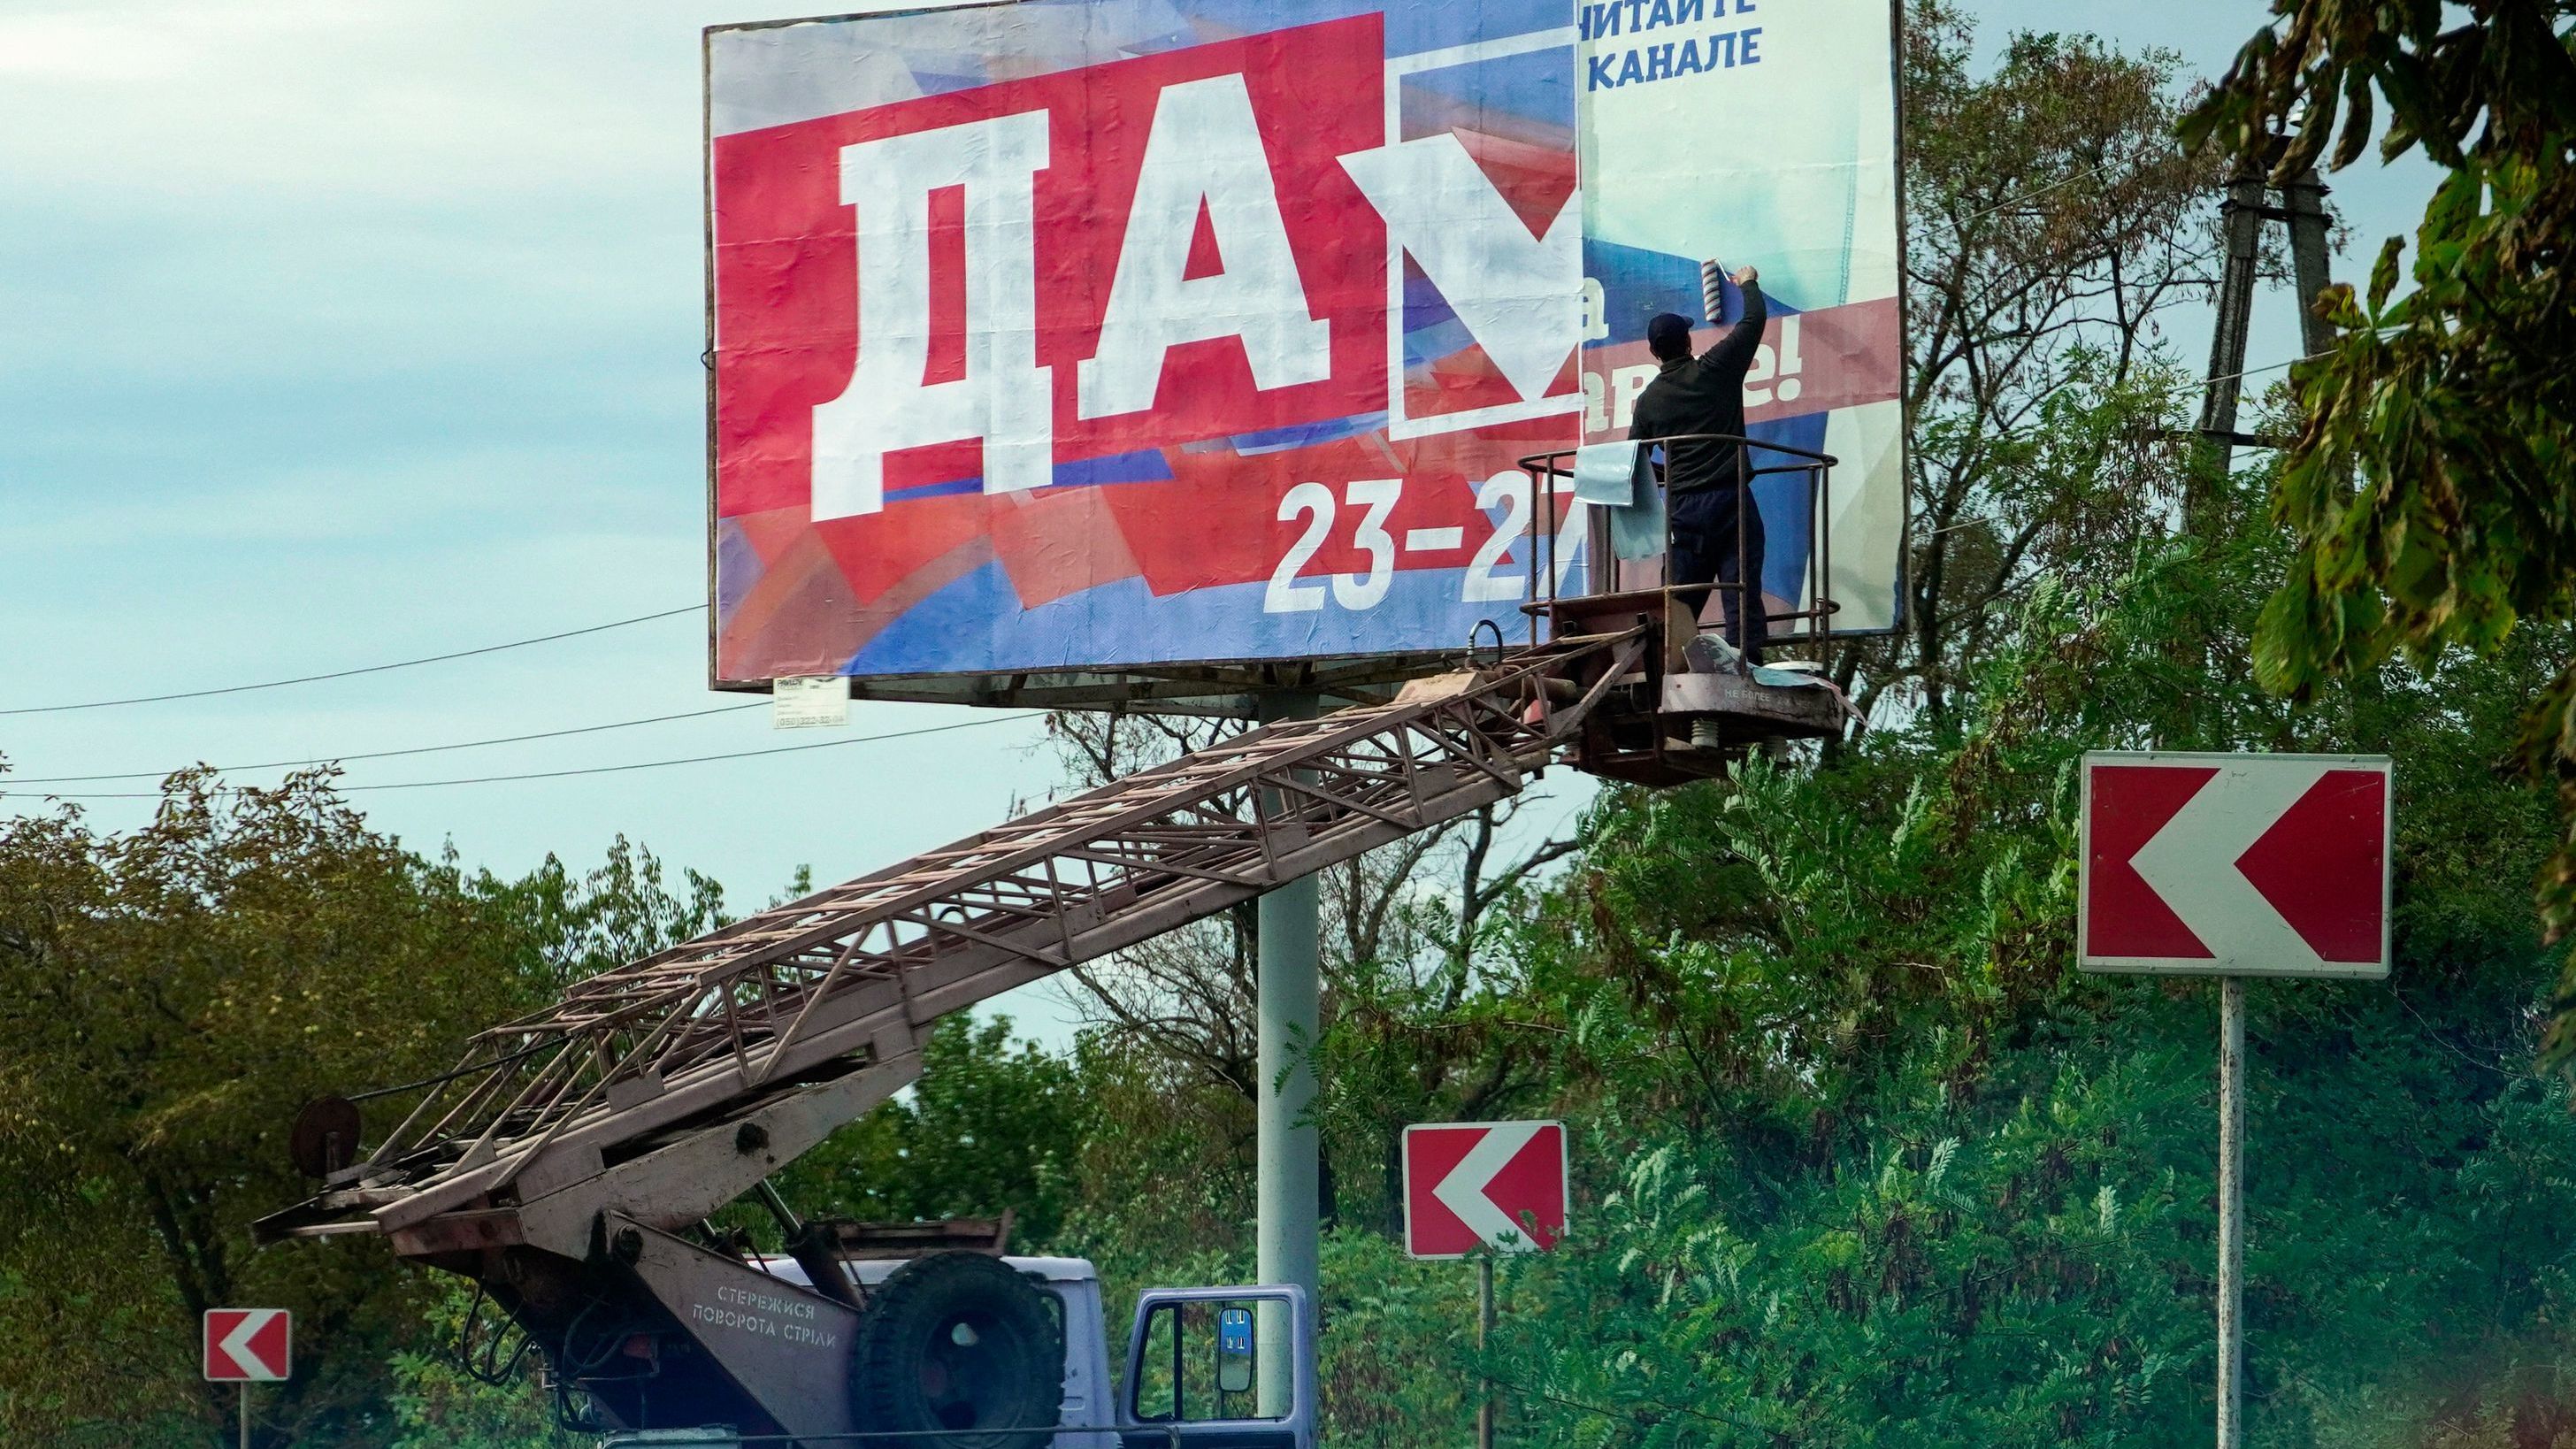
(243, 1346)
(2231, 1212)
(1288, 989)
(1484, 1337)
(2235, 865)
(1477, 1190)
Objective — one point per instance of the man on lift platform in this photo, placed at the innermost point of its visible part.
(1715, 524)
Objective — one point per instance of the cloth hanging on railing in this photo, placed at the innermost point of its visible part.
(1621, 478)
(1771, 678)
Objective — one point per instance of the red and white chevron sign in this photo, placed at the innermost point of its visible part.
(2235, 865)
(248, 1345)
(1498, 1185)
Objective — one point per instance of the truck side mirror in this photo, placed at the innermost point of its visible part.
(1234, 1350)
(1227, 1368)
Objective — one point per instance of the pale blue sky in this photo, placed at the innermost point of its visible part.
(340, 333)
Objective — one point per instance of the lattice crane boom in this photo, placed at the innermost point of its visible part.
(663, 1089)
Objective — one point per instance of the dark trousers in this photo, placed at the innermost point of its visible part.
(1717, 537)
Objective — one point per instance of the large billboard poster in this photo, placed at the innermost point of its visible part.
(1758, 133)
(1078, 335)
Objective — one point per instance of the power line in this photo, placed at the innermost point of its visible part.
(2203, 384)
(971, 724)
(6, 781)
(2035, 192)
(351, 673)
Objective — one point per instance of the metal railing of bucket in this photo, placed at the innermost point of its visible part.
(1544, 469)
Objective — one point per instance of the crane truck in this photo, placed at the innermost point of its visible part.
(570, 1164)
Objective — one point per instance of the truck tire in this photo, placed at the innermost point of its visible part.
(959, 1342)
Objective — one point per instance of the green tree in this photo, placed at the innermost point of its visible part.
(991, 1126)
(621, 910)
(1870, 1163)
(439, 1404)
(171, 997)
(2430, 491)
(2051, 223)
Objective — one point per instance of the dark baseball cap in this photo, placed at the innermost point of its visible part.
(1669, 334)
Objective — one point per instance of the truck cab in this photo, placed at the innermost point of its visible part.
(1204, 1368)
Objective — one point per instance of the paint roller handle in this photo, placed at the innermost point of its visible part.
(1712, 277)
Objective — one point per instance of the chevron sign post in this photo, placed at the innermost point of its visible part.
(1496, 1186)
(2234, 866)
(248, 1346)
(1470, 1185)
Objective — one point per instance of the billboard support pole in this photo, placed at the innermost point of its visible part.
(2231, 1212)
(1288, 970)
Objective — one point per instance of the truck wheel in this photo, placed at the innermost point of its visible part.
(959, 1342)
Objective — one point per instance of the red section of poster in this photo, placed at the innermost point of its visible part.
(787, 262)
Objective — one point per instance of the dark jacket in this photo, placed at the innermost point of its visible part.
(1703, 394)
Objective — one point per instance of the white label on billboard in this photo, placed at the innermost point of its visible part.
(813, 702)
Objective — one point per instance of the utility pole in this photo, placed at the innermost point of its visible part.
(2304, 208)
(2242, 217)
(2246, 208)
(1288, 967)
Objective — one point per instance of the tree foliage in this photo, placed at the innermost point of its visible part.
(2432, 489)
(993, 1124)
(1872, 1163)
(171, 997)
(2051, 223)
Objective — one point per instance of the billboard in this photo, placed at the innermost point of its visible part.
(1759, 135)
(1070, 341)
